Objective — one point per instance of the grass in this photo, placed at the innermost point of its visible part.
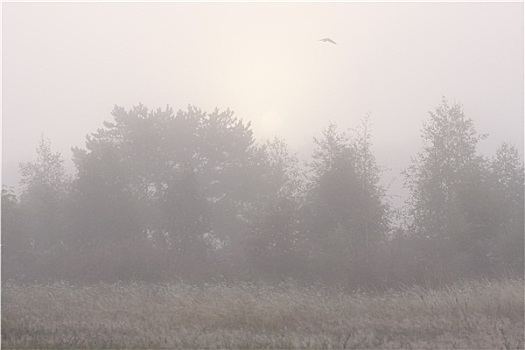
(486, 314)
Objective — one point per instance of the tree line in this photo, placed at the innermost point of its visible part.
(159, 195)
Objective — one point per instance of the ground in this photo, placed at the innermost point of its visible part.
(473, 314)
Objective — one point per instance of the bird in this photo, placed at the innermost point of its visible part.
(328, 40)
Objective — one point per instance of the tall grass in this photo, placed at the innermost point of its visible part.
(476, 314)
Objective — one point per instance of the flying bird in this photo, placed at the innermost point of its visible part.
(328, 40)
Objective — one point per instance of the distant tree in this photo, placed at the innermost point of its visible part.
(102, 197)
(231, 168)
(507, 176)
(16, 246)
(44, 189)
(376, 212)
(345, 212)
(334, 186)
(447, 163)
(128, 176)
(274, 240)
(181, 183)
(452, 200)
(507, 171)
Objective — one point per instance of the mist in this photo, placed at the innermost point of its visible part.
(244, 159)
(66, 65)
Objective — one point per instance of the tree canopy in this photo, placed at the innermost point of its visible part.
(160, 195)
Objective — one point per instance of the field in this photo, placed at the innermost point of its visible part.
(476, 314)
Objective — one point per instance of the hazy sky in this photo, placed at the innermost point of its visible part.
(65, 65)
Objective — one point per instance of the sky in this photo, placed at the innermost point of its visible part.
(66, 65)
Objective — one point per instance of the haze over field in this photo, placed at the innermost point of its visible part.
(65, 65)
(262, 175)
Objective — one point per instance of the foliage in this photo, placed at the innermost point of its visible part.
(346, 213)
(16, 244)
(182, 182)
(447, 162)
(507, 179)
(162, 195)
(461, 201)
(44, 189)
(274, 242)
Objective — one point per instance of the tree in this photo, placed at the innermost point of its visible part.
(507, 171)
(507, 176)
(44, 189)
(334, 186)
(129, 177)
(447, 162)
(274, 241)
(375, 210)
(16, 246)
(182, 184)
(451, 201)
(345, 211)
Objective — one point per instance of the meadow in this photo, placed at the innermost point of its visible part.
(478, 314)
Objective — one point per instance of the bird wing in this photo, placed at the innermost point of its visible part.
(328, 40)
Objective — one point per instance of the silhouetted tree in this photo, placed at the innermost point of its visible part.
(507, 175)
(16, 245)
(182, 183)
(190, 194)
(447, 162)
(375, 215)
(44, 188)
(344, 210)
(274, 241)
(450, 198)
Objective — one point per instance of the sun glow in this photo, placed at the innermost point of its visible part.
(272, 79)
(269, 124)
(263, 77)
(266, 82)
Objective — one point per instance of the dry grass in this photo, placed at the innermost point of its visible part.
(477, 314)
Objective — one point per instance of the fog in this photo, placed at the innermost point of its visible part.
(65, 65)
(262, 175)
